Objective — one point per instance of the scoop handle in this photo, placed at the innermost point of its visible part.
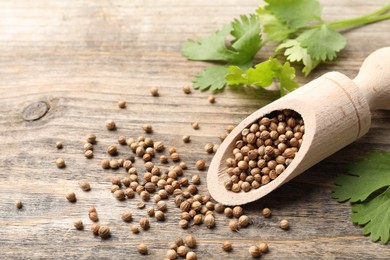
(374, 79)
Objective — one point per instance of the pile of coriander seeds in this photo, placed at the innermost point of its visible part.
(265, 150)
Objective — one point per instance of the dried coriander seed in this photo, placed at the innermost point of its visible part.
(105, 164)
(127, 216)
(254, 251)
(59, 145)
(122, 104)
(227, 246)
(134, 229)
(233, 225)
(186, 89)
(112, 150)
(175, 157)
(88, 154)
(142, 249)
(263, 247)
(209, 221)
(95, 229)
(104, 232)
(200, 164)
(88, 146)
(266, 212)
(18, 204)
(283, 224)
(171, 254)
(71, 197)
(195, 125)
(182, 251)
(110, 125)
(91, 139)
(190, 241)
(238, 211)
(183, 223)
(228, 212)
(243, 221)
(85, 186)
(159, 215)
(78, 224)
(195, 179)
(144, 223)
(191, 256)
(93, 216)
(209, 147)
(211, 99)
(186, 138)
(159, 146)
(150, 211)
(147, 128)
(120, 195)
(114, 164)
(60, 163)
(154, 91)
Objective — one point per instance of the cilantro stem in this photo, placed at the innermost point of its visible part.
(376, 16)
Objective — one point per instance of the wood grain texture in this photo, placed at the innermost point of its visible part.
(81, 57)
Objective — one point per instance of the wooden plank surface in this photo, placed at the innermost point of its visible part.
(81, 57)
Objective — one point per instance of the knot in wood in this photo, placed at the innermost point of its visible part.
(35, 111)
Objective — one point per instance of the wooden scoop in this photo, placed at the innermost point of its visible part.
(336, 112)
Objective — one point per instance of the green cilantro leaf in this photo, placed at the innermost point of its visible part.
(294, 52)
(244, 46)
(322, 42)
(369, 189)
(272, 26)
(212, 48)
(263, 74)
(212, 78)
(295, 13)
(375, 216)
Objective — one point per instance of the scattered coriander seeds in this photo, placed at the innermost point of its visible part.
(200, 164)
(186, 89)
(191, 256)
(60, 163)
(227, 246)
(71, 197)
(144, 223)
(154, 91)
(59, 145)
(134, 229)
(266, 212)
(263, 247)
(211, 99)
(78, 224)
(85, 186)
(127, 216)
(195, 125)
(104, 232)
(142, 249)
(122, 104)
(283, 224)
(110, 125)
(190, 241)
(186, 138)
(18, 204)
(254, 251)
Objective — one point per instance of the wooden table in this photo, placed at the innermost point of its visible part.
(80, 58)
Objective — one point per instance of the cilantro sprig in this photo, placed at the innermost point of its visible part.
(298, 31)
(367, 187)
